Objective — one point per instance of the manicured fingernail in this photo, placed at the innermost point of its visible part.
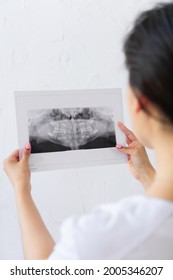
(28, 147)
(119, 147)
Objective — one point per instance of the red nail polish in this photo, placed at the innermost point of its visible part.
(28, 147)
(119, 147)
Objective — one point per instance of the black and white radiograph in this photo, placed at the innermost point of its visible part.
(65, 129)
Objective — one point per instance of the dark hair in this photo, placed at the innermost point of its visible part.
(149, 56)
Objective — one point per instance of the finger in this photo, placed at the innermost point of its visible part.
(129, 134)
(14, 155)
(128, 141)
(128, 157)
(124, 130)
(125, 150)
(26, 153)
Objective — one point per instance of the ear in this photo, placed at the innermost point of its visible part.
(141, 104)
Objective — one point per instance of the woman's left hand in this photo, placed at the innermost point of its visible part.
(18, 171)
(138, 161)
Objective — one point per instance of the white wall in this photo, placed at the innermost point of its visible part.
(60, 44)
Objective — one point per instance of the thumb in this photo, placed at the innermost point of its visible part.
(26, 152)
(125, 150)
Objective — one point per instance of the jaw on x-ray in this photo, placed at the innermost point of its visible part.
(71, 127)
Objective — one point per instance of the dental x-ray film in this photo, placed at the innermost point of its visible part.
(68, 129)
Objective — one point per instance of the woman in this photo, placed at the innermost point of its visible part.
(139, 227)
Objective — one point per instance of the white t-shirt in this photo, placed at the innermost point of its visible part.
(138, 227)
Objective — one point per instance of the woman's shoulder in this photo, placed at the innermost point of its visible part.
(135, 205)
(128, 212)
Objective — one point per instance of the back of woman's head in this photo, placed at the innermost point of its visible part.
(149, 57)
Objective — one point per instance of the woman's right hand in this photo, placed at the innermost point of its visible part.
(138, 161)
(18, 171)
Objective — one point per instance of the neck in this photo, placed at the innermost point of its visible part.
(162, 186)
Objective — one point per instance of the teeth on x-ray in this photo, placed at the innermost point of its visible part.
(73, 127)
(73, 133)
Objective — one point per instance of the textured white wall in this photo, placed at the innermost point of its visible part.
(60, 44)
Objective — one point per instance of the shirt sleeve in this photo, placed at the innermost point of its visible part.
(66, 249)
(89, 236)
